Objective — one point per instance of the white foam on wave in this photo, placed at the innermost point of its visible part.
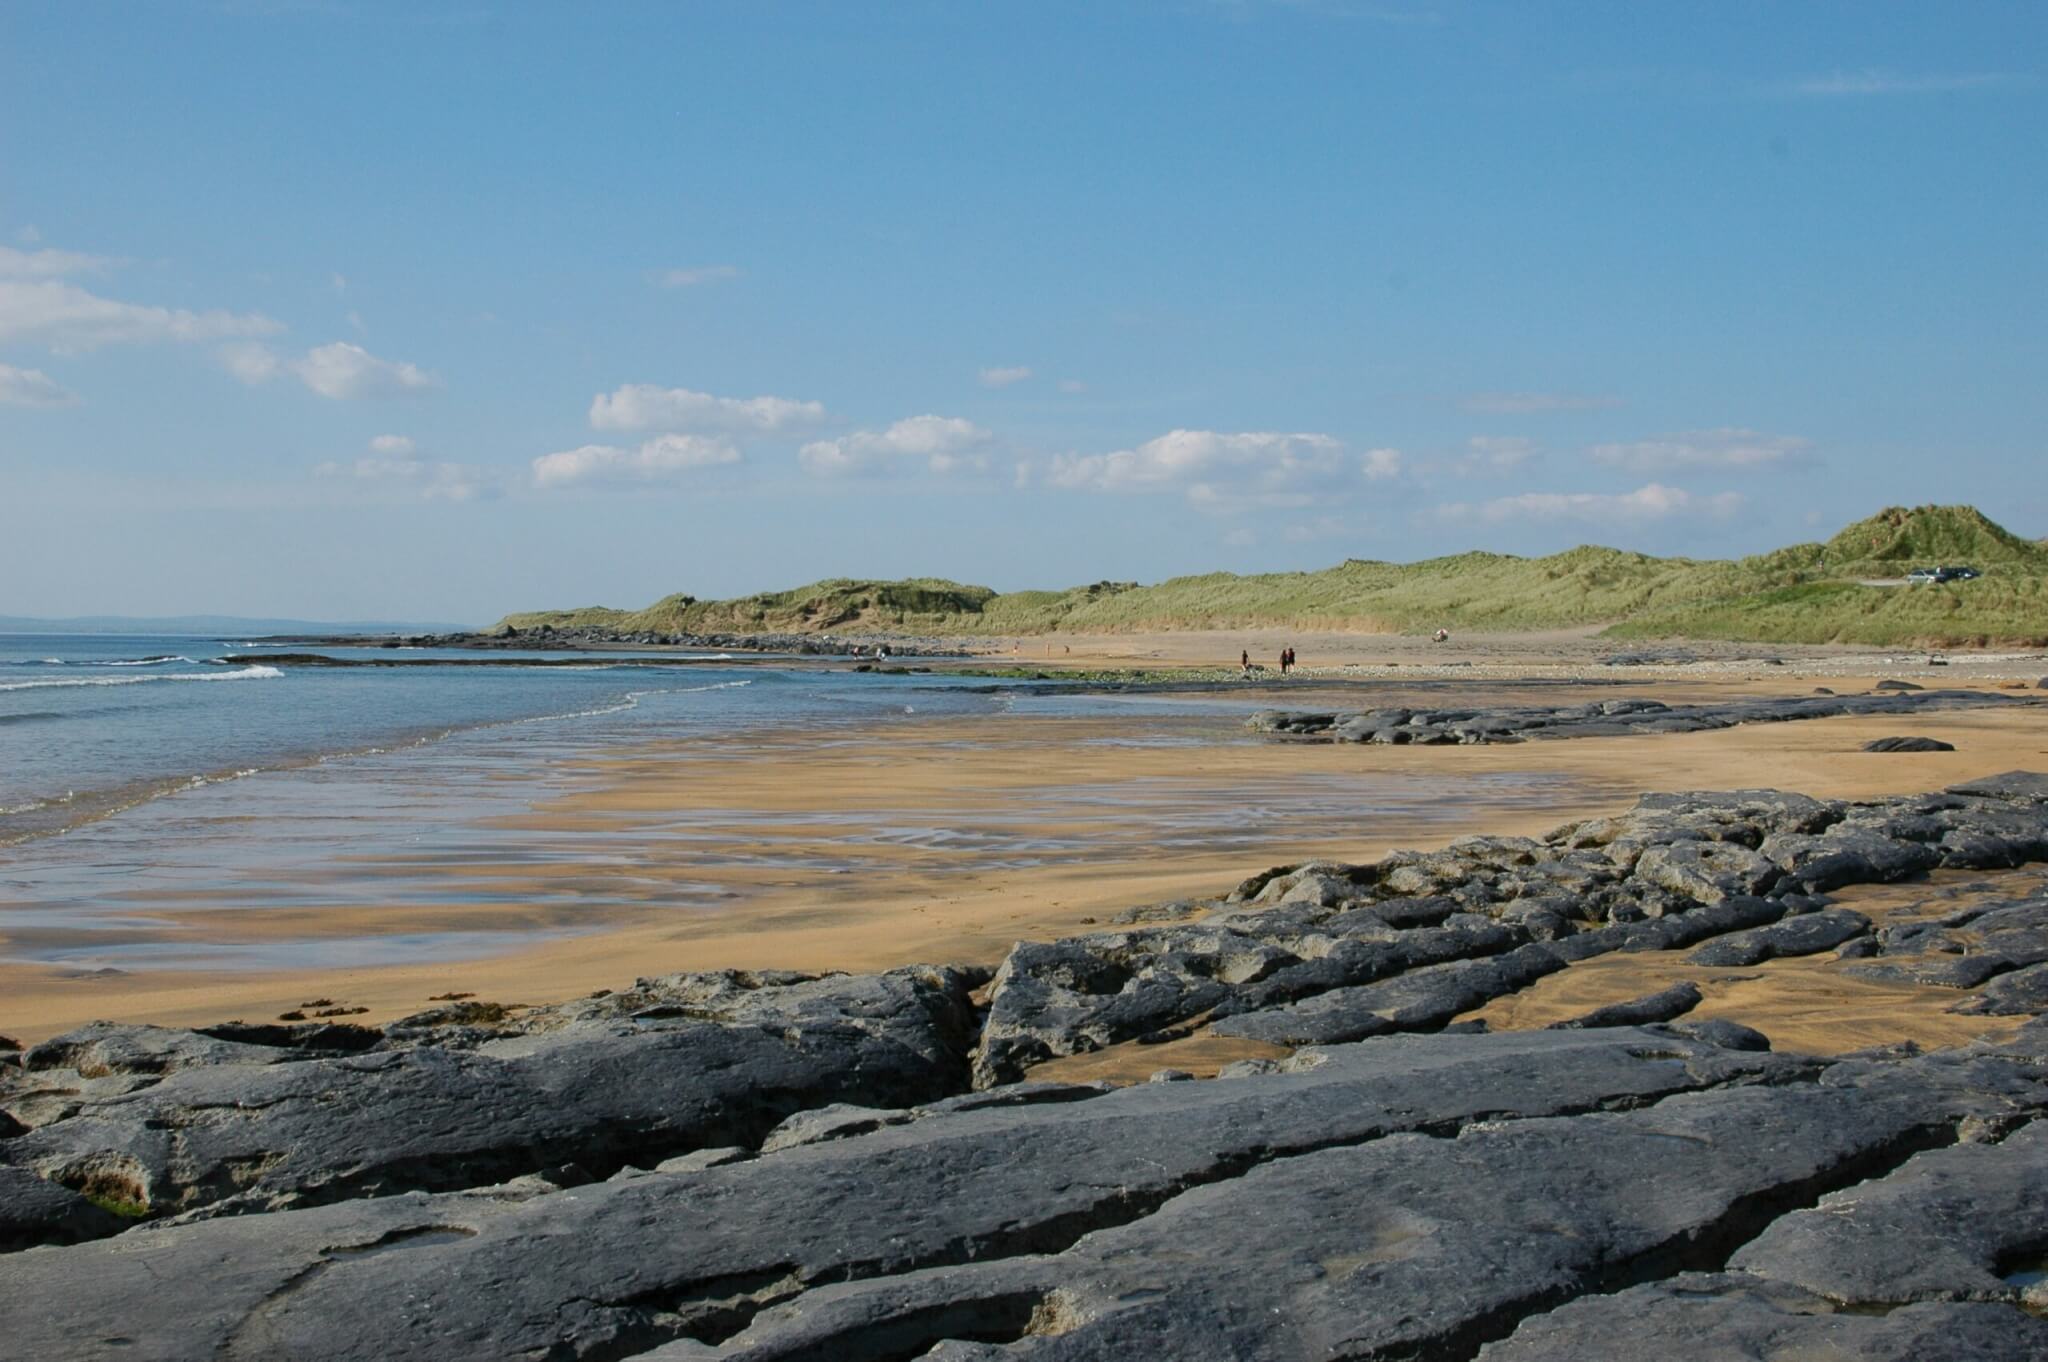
(631, 700)
(159, 660)
(239, 674)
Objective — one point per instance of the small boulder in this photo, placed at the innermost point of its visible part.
(1662, 1006)
(1908, 745)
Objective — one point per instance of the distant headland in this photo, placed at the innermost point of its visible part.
(1851, 589)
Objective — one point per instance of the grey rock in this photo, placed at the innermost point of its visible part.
(1419, 1000)
(1965, 949)
(35, 1211)
(697, 1160)
(1729, 1035)
(1847, 855)
(621, 1266)
(1673, 931)
(1904, 744)
(2029, 787)
(1661, 1006)
(1942, 1227)
(1809, 934)
(1707, 872)
(228, 1138)
(2009, 995)
(101, 1049)
(1698, 1315)
(1610, 718)
(1405, 1246)
(835, 1122)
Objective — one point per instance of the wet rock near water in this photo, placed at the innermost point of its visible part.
(772, 1165)
(1442, 725)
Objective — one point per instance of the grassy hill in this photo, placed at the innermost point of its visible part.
(1808, 593)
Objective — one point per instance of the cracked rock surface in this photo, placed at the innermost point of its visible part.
(781, 1166)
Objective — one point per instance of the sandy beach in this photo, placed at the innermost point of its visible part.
(949, 840)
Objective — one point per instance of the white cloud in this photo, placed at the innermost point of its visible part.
(642, 406)
(1871, 81)
(394, 463)
(49, 264)
(1073, 385)
(339, 371)
(1730, 448)
(663, 457)
(1652, 501)
(692, 277)
(32, 388)
(342, 371)
(1003, 377)
(1381, 464)
(339, 282)
(250, 362)
(947, 444)
(1515, 404)
(1213, 468)
(66, 318)
(1241, 538)
(1491, 454)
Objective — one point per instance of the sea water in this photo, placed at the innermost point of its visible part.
(154, 789)
(94, 723)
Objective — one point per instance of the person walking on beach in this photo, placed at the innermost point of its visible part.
(1244, 662)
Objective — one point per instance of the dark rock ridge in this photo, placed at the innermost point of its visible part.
(1438, 725)
(1418, 1196)
(547, 636)
(775, 1165)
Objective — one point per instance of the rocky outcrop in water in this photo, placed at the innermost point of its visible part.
(549, 637)
(780, 1166)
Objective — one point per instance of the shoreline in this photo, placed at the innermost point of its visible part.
(894, 904)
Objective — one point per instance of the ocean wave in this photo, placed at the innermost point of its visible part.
(156, 661)
(630, 700)
(33, 805)
(239, 674)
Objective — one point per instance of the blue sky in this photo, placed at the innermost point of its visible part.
(334, 308)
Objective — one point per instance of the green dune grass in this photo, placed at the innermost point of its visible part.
(1808, 593)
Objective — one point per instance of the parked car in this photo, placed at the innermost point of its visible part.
(1960, 574)
(1924, 576)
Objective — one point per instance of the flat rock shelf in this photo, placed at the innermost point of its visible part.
(781, 1166)
(1451, 724)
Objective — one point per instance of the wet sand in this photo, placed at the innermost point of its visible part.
(948, 841)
